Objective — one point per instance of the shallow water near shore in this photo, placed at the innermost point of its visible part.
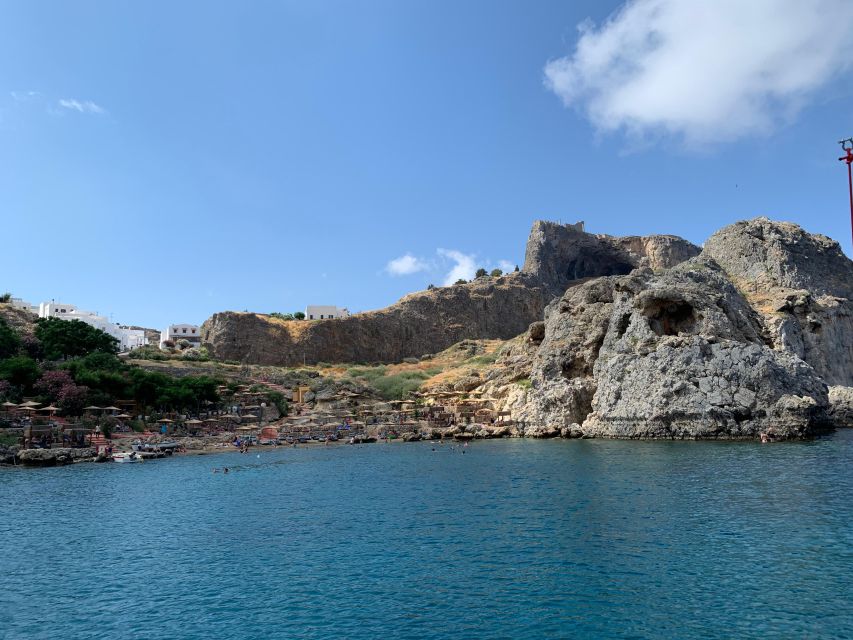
(512, 539)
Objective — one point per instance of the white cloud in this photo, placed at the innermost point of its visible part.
(704, 71)
(87, 106)
(464, 266)
(506, 266)
(405, 265)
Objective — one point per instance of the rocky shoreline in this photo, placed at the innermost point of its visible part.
(211, 445)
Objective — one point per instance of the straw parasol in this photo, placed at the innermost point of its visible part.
(165, 421)
(9, 404)
(249, 415)
(111, 409)
(29, 403)
(91, 408)
(49, 408)
(124, 416)
(193, 422)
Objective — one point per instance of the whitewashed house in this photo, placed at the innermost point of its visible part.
(55, 309)
(127, 338)
(175, 332)
(325, 312)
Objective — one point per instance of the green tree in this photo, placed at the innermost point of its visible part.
(20, 371)
(299, 316)
(10, 343)
(496, 273)
(6, 297)
(63, 339)
(461, 281)
(480, 273)
(516, 268)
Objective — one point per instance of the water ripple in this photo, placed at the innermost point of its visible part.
(513, 539)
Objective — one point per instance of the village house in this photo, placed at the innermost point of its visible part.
(325, 312)
(175, 332)
(128, 339)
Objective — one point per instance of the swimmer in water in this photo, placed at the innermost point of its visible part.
(225, 470)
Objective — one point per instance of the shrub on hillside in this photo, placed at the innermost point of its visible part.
(148, 352)
(398, 386)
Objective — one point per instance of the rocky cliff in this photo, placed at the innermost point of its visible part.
(800, 283)
(423, 322)
(557, 256)
(671, 355)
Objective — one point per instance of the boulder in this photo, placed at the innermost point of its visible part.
(678, 354)
(542, 431)
(841, 406)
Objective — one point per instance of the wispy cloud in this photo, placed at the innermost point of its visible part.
(464, 265)
(24, 96)
(85, 106)
(704, 72)
(450, 265)
(406, 265)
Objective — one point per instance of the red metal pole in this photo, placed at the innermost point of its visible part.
(847, 145)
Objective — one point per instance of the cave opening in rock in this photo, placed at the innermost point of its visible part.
(671, 317)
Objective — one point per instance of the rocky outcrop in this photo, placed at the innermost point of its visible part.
(559, 254)
(800, 283)
(841, 406)
(674, 355)
(423, 322)
(54, 457)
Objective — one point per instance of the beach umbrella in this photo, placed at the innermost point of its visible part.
(123, 415)
(49, 408)
(9, 404)
(91, 408)
(249, 415)
(30, 403)
(165, 421)
(111, 409)
(193, 422)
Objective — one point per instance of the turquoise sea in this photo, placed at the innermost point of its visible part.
(512, 539)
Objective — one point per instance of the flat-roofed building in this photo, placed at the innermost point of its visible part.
(175, 332)
(325, 312)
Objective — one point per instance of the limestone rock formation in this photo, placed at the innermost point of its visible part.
(841, 406)
(679, 354)
(54, 457)
(423, 322)
(800, 283)
(559, 254)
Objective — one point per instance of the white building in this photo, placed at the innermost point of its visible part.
(127, 338)
(325, 312)
(175, 332)
(55, 309)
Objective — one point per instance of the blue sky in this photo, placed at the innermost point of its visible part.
(162, 161)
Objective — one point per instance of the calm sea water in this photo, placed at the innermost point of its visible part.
(513, 539)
